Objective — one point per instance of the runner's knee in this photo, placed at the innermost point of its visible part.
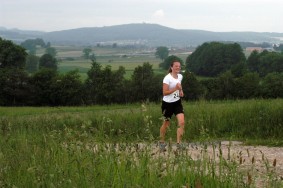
(181, 130)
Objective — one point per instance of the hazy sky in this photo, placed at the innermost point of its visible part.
(211, 15)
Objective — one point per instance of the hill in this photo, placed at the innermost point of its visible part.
(142, 34)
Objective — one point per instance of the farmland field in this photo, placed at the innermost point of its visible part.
(71, 58)
(115, 62)
(115, 146)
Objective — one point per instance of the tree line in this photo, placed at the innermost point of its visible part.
(234, 77)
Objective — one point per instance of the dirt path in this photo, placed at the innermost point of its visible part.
(259, 162)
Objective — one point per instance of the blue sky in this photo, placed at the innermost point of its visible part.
(211, 15)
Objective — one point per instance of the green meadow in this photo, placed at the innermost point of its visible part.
(71, 59)
(115, 145)
(115, 62)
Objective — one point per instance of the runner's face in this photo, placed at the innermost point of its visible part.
(176, 67)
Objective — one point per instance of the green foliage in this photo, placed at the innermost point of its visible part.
(162, 52)
(211, 59)
(226, 86)
(265, 62)
(51, 51)
(279, 48)
(167, 62)
(192, 88)
(220, 88)
(11, 55)
(67, 89)
(212, 88)
(247, 86)
(47, 61)
(272, 85)
(30, 45)
(41, 82)
(86, 53)
(15, 89)
(132, 84)
(32, 63)
(239, 69)
(92, 57)
(93, 80)
(245, 45)
(253, 61)
(114, 45)
(105, 86)
(145, 86)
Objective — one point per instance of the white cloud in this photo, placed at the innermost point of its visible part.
(159, 14)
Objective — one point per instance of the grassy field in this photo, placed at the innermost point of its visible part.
(113, 146)
(130, 63)
(71, 58)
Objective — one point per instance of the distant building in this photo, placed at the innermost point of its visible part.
(251, 49)
(269, 49)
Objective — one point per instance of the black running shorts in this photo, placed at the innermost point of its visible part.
(168, 109)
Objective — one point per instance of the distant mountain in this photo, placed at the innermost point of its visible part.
(144, 34)
(19, 36)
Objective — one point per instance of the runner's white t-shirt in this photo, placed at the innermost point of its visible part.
(172, 82)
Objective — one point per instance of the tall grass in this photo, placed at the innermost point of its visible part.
(244, 119)
(115, 146)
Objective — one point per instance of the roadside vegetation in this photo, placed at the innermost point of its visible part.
(115, 146)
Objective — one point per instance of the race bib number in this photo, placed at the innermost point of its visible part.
(176, 95)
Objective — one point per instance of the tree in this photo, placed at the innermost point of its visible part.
(48, 44)
(120, 90)
(66, 89)
(162, 52)
(106, 91)
(279, 48)
(11, 55)
(114, 45)
(221, 87)
(30, 45)
(272, 85)
(41, 83)
(191, 86)
(86, 53)
(145, 86)
(212, 88)
(239, 69)
(32, 63)
(167, 62)
(211, 59)
(51, 51)
(142, 75)
(15, 88)
(226, 85)
(105, 86)
(270, 62)
(265, 62)
(92, 57)
(92, 82)
(253, 61)
(47, 61)
(247, 86)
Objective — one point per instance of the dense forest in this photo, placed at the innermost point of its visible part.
(26, 79)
